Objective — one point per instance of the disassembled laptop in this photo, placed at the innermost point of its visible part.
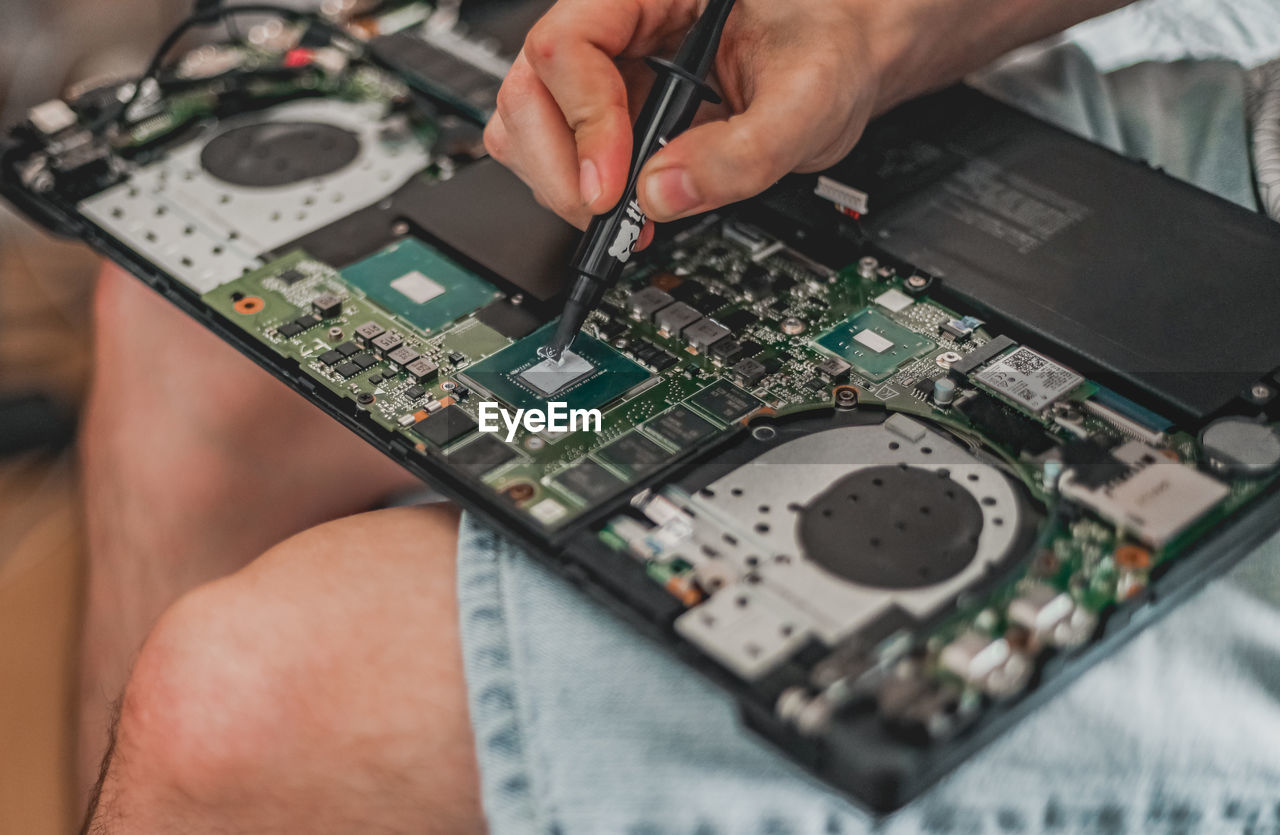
(887, 526)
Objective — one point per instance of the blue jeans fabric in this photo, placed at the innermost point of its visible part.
(582, 726)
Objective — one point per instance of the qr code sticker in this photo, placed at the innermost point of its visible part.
(1029, 379)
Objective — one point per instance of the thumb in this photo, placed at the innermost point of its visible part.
(786, 124)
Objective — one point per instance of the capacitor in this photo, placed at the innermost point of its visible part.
(992, 666)
(944, 391)
(1053, 617)
(1050, 473)
(867, 267)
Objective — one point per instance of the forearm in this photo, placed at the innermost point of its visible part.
(921, 45)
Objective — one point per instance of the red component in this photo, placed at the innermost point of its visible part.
(298, 58)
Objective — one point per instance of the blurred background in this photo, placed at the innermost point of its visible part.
(44, 359)
(45, 293)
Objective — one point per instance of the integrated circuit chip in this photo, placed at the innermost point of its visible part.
(419, 284)
(874, 344)
(483, 455)
(550, 376)
(445, 426)
(606, 374)
(725, 401)
(634, 454)
(589, 481)
(680, 427)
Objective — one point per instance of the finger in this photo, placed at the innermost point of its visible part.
(722, 162)
(537, 144)
(572, 49)
(646, 235)
(497, 141)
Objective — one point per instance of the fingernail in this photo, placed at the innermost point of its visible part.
(589, 182)
(670, 193)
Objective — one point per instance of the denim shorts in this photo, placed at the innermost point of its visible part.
(583, 727)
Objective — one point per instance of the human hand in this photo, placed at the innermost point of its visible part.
(798, 80)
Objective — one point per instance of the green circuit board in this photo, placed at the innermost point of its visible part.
(667, 386)
(644, 372)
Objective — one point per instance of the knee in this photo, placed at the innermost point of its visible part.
(203, 712)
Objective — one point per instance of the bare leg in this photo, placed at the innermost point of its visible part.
(318, 690)
(195, 461)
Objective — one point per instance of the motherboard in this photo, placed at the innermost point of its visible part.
(992, 457)
(856, 499)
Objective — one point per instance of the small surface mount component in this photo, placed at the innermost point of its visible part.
(1029, 379)
(402, 355)
(1154, 498)
(726, 351)
(673, 319)
(644, 303)
(368, 332)
(834, 369)
(422, 369)
(387, 342)
(749, 372)
(703, 334)
(874, 344)
(960, 329)
(327, 305)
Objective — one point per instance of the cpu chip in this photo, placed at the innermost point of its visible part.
(550, 376)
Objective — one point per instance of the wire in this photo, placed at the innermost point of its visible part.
(206, 18)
